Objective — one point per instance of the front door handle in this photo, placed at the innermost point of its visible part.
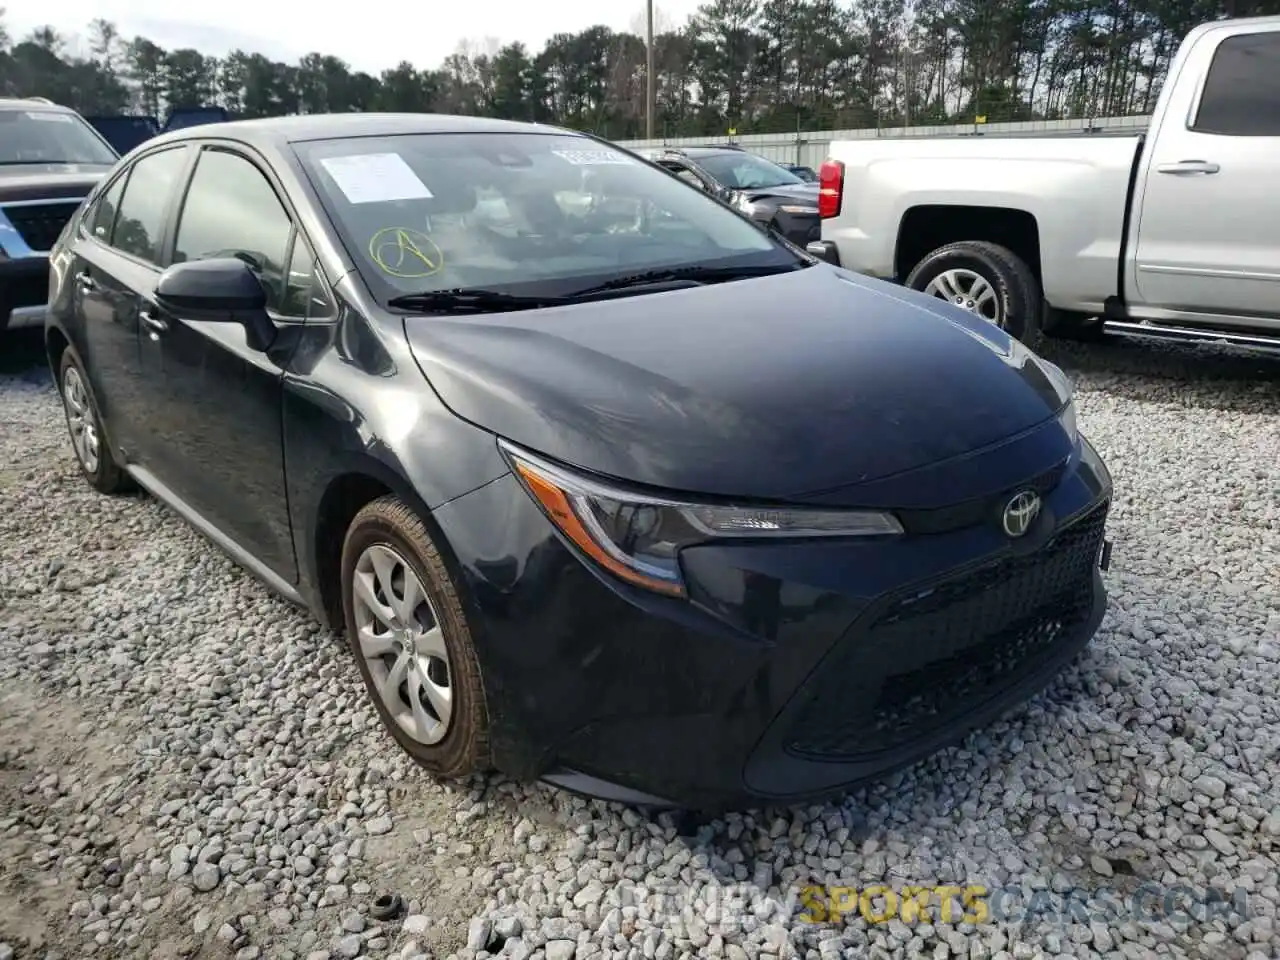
(154, 322)
(86, 283)
(1185, 168)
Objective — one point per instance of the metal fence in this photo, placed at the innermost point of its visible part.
(810, 147)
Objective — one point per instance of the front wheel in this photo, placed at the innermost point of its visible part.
(987, 280)
(406, 626)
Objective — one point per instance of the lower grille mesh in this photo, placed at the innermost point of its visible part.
(935, 654)
(39, 224)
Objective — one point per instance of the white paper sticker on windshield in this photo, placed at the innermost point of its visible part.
(593, 158)
(48, 116)
(376, 178)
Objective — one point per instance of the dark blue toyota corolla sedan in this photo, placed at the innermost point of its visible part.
(603, 483)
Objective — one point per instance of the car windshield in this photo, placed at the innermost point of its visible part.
(746, 171)
(49, 136)
(522, 213)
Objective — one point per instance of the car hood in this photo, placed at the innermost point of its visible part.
(807, 192)
(772, 388)
(48, 181)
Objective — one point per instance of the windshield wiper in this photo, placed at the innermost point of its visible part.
(470, 301)
(689, 274)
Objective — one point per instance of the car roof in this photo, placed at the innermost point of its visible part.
(277, 132)
(696, 152)
(33, 104)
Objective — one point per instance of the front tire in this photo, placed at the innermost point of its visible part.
(988, 280)
(406, 627)
(84, 425)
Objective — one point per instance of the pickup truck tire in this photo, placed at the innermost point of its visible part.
(1018, 304)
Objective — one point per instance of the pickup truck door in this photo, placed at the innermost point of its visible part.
(1208, 229)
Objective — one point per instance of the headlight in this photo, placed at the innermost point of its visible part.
(1066, 393)
(637, 537)
(1067, 417)
(798, 210)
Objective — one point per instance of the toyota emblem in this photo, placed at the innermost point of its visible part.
(1020, 513)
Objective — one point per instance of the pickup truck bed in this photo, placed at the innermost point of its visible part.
(1171, 233)
(905, 198)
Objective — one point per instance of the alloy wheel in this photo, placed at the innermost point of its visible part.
(80, 420)
(968, 290)
(400, 638)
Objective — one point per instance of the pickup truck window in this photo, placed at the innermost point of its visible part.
(1242, 91)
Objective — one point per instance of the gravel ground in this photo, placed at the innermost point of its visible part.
(188, 766)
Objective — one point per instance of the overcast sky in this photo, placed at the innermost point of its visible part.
(370, 36)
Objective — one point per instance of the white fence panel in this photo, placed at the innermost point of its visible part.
(809, 147)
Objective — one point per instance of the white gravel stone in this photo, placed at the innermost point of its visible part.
(416, 924)
(224, 744)
(378, 826)
(205, 876)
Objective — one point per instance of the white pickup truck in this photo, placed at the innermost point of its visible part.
(1175, 233)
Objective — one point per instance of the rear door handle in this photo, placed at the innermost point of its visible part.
(85, 282)
(154, 322)
(1185, 168)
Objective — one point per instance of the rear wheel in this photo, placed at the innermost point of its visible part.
(407, 629)
(84, 424)
(986, 279)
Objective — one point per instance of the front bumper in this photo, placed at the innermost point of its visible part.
(793, 671)
(24, 291)
(824, 250)
(800, 229)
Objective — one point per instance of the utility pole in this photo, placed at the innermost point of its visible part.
(648, 71)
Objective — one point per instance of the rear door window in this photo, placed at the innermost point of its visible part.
(104, 213)
(139, 227)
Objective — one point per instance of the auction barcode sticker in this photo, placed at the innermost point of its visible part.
(592, 158)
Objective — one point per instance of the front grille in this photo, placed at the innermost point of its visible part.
(928, 657)
(973, 512)
(40, 223)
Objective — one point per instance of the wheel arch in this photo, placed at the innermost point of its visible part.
(926, 227)
(343, 496)
(56, 343)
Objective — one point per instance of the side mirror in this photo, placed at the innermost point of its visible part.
(690, 179)
(219, 289)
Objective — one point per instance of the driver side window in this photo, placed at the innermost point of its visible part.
(231, 210)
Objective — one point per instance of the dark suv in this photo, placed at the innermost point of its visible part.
(765, 191)
(50, 159)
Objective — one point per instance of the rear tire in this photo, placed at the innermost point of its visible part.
(987, 279)
(397, 594)
(84, 425)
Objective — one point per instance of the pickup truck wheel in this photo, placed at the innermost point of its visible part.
(986, 279)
